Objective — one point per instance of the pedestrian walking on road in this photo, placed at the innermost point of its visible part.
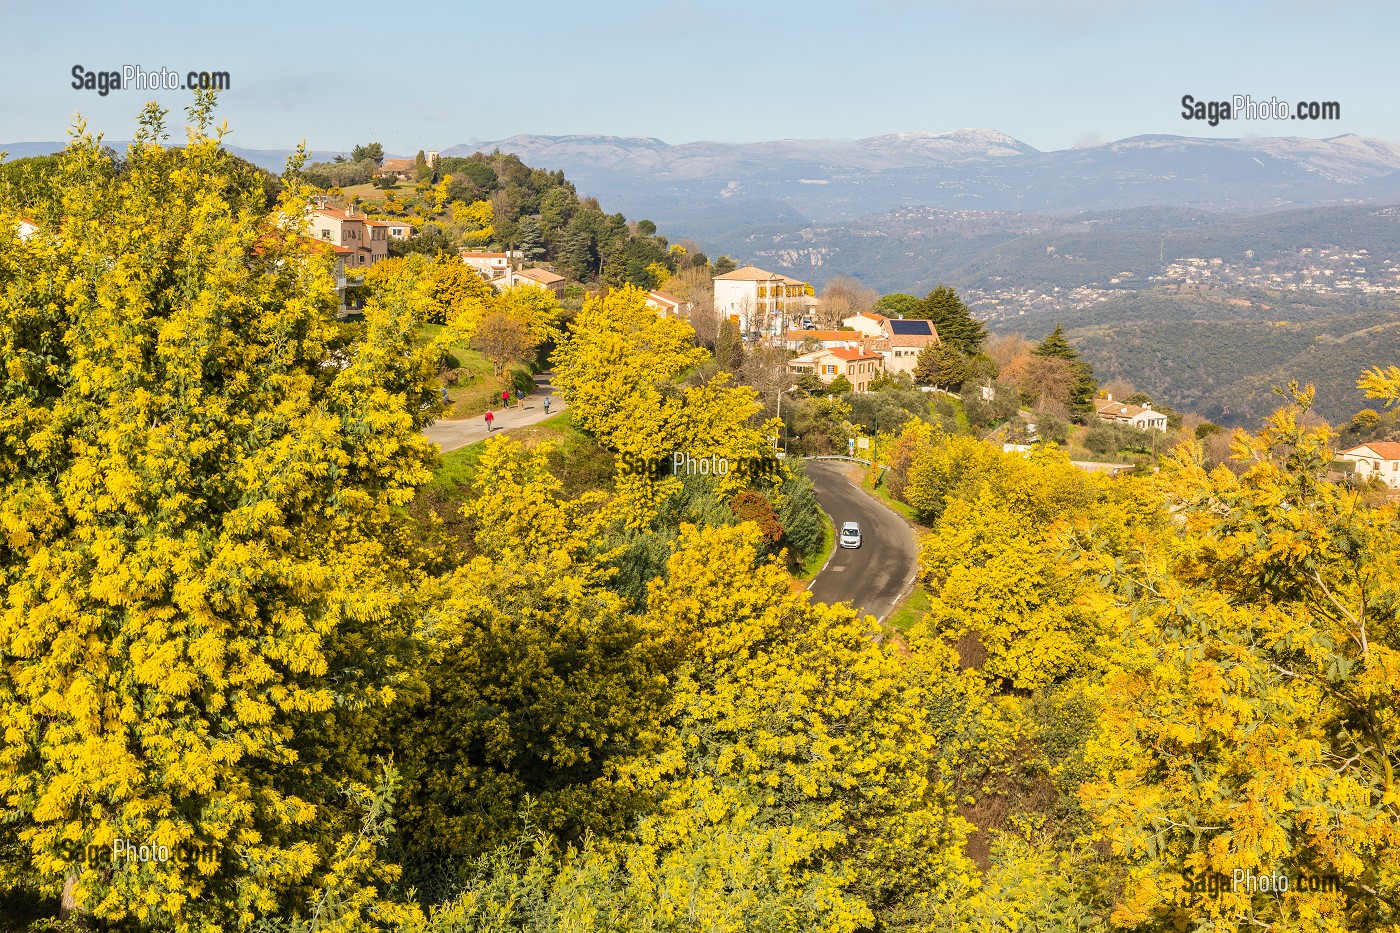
(489, 419)
(546, 404)
(519, 398)
(505, 398)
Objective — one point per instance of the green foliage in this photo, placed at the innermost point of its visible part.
(340, 174)
(1003, 404)
(888, 409)
(1105, 438)
(371, 152)
(804, 525)
(1223, 361)
(1080, 397)
(954, 322)
(898, 305)
(942, 365)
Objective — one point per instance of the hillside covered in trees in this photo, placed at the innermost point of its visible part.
(1222, 358)
(495, 201)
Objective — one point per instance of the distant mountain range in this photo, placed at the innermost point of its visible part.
(827, 181)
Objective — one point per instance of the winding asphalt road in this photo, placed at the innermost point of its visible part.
(873, 577)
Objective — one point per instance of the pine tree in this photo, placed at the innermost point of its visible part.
(1081, 396)
(1057, 346)
(530, 240)
(953, 320)
(576, 258)
(616, 271)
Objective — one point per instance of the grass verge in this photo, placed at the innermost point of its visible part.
(883, 493)
(907, 613)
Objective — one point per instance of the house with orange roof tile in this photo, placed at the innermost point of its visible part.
(490, 265)
(348, 227)
(1379, 459)
(827, 339)
(667, 305)
(1138, 416)
(858, 366)
(537, 278)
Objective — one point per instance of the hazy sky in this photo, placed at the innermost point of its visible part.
(429, 75)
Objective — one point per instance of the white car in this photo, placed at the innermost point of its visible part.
(850, 535)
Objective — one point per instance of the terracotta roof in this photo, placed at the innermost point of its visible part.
(1386, 450)
(338, 213)
(473, 254)
(665, 297)
(397, 165)
(1111, 409)
(749, 274)
(874, 316)
(850, 356)
(911, 340)
(327, 244)
(543, 276)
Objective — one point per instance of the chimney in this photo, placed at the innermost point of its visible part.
(1108, 396)
(350, 210)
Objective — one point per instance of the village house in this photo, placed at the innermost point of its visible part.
(762, 303)
(1138, 416)
(398, 229)
(667, 305)
(403, 169)
(1378, 458)
(348, 227)
(898, 340)
(491, 266)
(538, 278)
(27, 228)
(869, 323)
(858, 366)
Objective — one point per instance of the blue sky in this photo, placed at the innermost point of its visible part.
(429, 75)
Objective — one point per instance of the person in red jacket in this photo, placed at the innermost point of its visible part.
(489, 419)
(505, 399)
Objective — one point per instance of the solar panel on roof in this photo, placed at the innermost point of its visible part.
(910, 327)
